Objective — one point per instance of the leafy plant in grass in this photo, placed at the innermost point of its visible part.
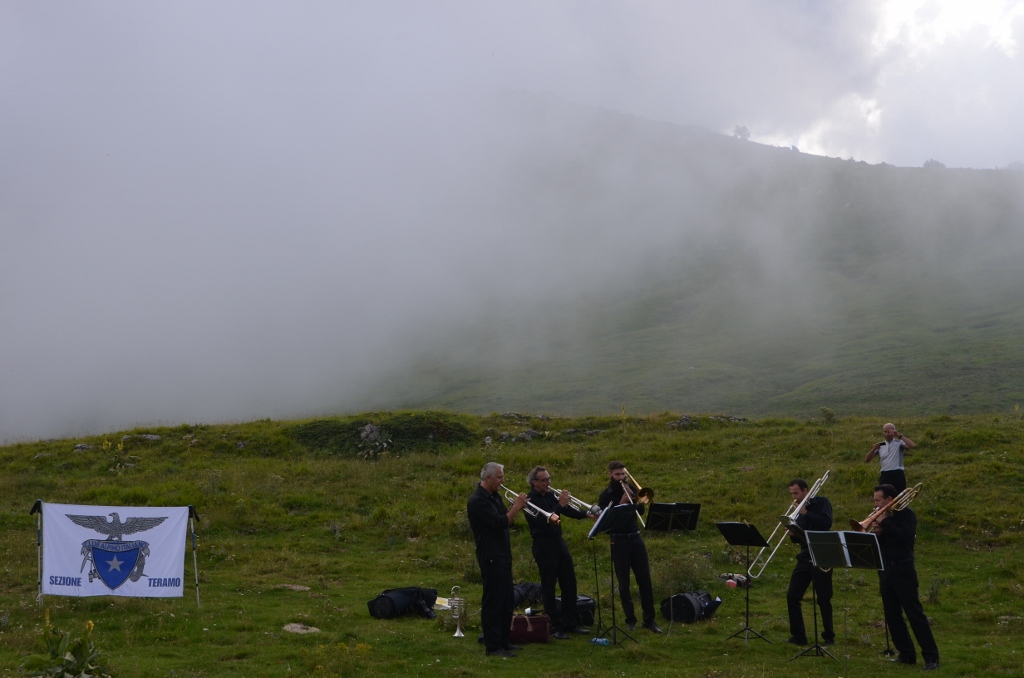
(121, 459)
(66, 657)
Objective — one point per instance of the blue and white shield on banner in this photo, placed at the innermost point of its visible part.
(114, 561)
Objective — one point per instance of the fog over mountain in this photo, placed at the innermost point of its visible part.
(253, 210)
(743, 277)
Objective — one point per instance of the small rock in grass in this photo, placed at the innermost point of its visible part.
(299, 628)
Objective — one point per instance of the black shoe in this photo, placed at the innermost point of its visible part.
(931, 666)
(631, 626)
(829, 641)
(501, 652)
(653, 628)
(560, 635)
(512, 648)
(581, 630)
(903, 660)
(797, 641)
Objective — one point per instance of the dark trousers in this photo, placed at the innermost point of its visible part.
(897, 479)
(631, 553)
(803, 575)
(898, 586)
(496, 604)
(555, 565)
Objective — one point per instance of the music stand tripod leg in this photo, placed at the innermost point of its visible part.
(614, 629)
(746, 631)
(818, 649)
(600, 628)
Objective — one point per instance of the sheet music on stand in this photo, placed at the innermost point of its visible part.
(613, 519)
(839, 549)
(845, 549)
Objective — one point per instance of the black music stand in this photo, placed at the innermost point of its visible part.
(665, 517)
(744, 534)
(612, 519)
(841, 549)
(668, 517)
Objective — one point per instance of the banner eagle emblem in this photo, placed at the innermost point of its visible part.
(114, 560)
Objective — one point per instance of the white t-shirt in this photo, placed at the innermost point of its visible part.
(891, 455)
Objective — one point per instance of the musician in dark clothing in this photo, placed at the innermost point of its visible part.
(629, 550)
(490, 521)
(552, 553)
(815, 515)
(898, 582)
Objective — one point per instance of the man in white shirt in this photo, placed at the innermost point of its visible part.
(890, 453)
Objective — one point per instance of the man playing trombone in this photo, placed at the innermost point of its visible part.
(552, 553)
(629, 550)
(898, 581)
(815, 514)
(490, 522)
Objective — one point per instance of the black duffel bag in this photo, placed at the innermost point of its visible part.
(396, 602)
(689, 607)
(584, 609)
(526, 594)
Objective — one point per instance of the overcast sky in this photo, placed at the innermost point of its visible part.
(215, 211)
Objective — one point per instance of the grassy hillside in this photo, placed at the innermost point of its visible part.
(311, 503)
(740, 277)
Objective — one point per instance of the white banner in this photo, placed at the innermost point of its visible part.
(94, 551)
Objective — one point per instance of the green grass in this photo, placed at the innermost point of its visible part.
(283, 506)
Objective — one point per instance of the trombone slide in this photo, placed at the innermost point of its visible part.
(897, 503)
(784, 523)
(629, 495)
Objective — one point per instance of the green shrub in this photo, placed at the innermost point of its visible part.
(66, 657)
(406, 431)
(331, 435)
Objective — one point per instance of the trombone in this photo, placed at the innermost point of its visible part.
(644, 495)
(531, 508)
(784, 523)
(897, 503)
(578, 504)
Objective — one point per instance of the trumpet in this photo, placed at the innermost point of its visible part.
(531, 508)
(578, 504)
(458, 610)
(785, 522)
(897, 503)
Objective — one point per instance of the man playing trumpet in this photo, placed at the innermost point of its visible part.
(552, 553)
(490, 521)
(890, 454)
(816, 515)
